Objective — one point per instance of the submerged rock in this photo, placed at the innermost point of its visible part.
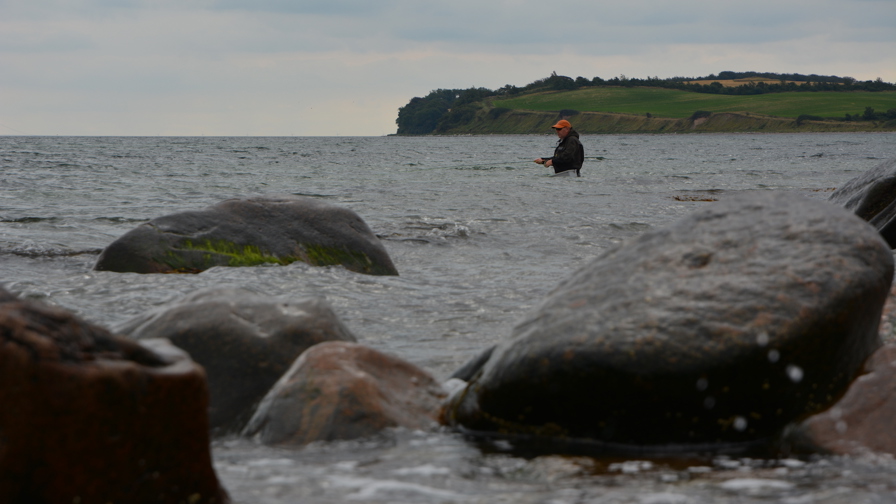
(87, 416)
(245, 342)
(248, 232)
(722, 328)
(341, 390)
(862, 420)
(872, 196)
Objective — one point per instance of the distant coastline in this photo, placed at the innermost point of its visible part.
(743, 102)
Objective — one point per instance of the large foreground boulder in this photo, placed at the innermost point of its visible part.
(244, 340)
(86, 416)
(872, 196)
(722, 328)
(340, 390)
(248, 232)
(862, 420)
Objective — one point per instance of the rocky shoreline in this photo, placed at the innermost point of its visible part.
(757, 321)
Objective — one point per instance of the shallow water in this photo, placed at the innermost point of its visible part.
(479, 235)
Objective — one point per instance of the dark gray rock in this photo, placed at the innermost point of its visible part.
(472, 366)
(248, 232)
(872, 196)
(721, 328)
(245, 342)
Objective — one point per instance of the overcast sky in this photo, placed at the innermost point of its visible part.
(344, 67)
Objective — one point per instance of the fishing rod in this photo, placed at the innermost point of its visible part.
(599, 158)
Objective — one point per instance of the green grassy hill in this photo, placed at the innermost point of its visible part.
(673, 103)
(730, 101)
(615, 109)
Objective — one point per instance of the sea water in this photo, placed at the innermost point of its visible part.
(479, 233)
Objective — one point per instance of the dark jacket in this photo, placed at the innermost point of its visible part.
(569, 154)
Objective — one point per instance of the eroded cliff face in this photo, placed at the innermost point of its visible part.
(535, 122)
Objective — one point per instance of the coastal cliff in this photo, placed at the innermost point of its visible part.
(497, 121)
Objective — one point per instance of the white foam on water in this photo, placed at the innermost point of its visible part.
(754, 485)
(372, 488)
(423, 470)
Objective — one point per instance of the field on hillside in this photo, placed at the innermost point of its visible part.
(681, 104)
(738, 82)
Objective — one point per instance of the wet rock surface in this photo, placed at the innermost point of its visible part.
(887, 328)
(247, 232)
(87, 416)
(340, 390)
(872, 196)
(862, 420)
(722, 328)
(243, 339)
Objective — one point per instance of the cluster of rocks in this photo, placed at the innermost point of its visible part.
(93, 415)
(752, 322)
(292, 367)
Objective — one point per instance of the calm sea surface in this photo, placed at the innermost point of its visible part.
(479, 234)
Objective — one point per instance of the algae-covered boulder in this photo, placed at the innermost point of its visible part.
(244, 340)
(721, 328)
(248, 232)
(872, 196)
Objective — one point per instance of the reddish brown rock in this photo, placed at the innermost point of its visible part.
(887, 328)
(340, 390)
(863, 419)
(91, 417)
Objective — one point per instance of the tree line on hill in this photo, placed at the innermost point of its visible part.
(443, 109)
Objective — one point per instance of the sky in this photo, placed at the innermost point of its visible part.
(345, 67)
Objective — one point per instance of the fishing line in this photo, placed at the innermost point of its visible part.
(13, 129)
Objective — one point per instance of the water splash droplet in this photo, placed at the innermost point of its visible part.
(702, 384)
(795, 373)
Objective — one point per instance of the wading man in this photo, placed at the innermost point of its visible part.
(569, 154)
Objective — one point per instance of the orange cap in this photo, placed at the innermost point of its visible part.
(562, 123)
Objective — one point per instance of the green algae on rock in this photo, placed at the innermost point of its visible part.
(249, 232)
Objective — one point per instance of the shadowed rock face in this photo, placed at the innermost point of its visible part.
(340, 390)
(244, 340)
(91, 417)
(721, 328)
(248, 232)
(872, 196)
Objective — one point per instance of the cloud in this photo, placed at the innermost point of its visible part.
(268, 67)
